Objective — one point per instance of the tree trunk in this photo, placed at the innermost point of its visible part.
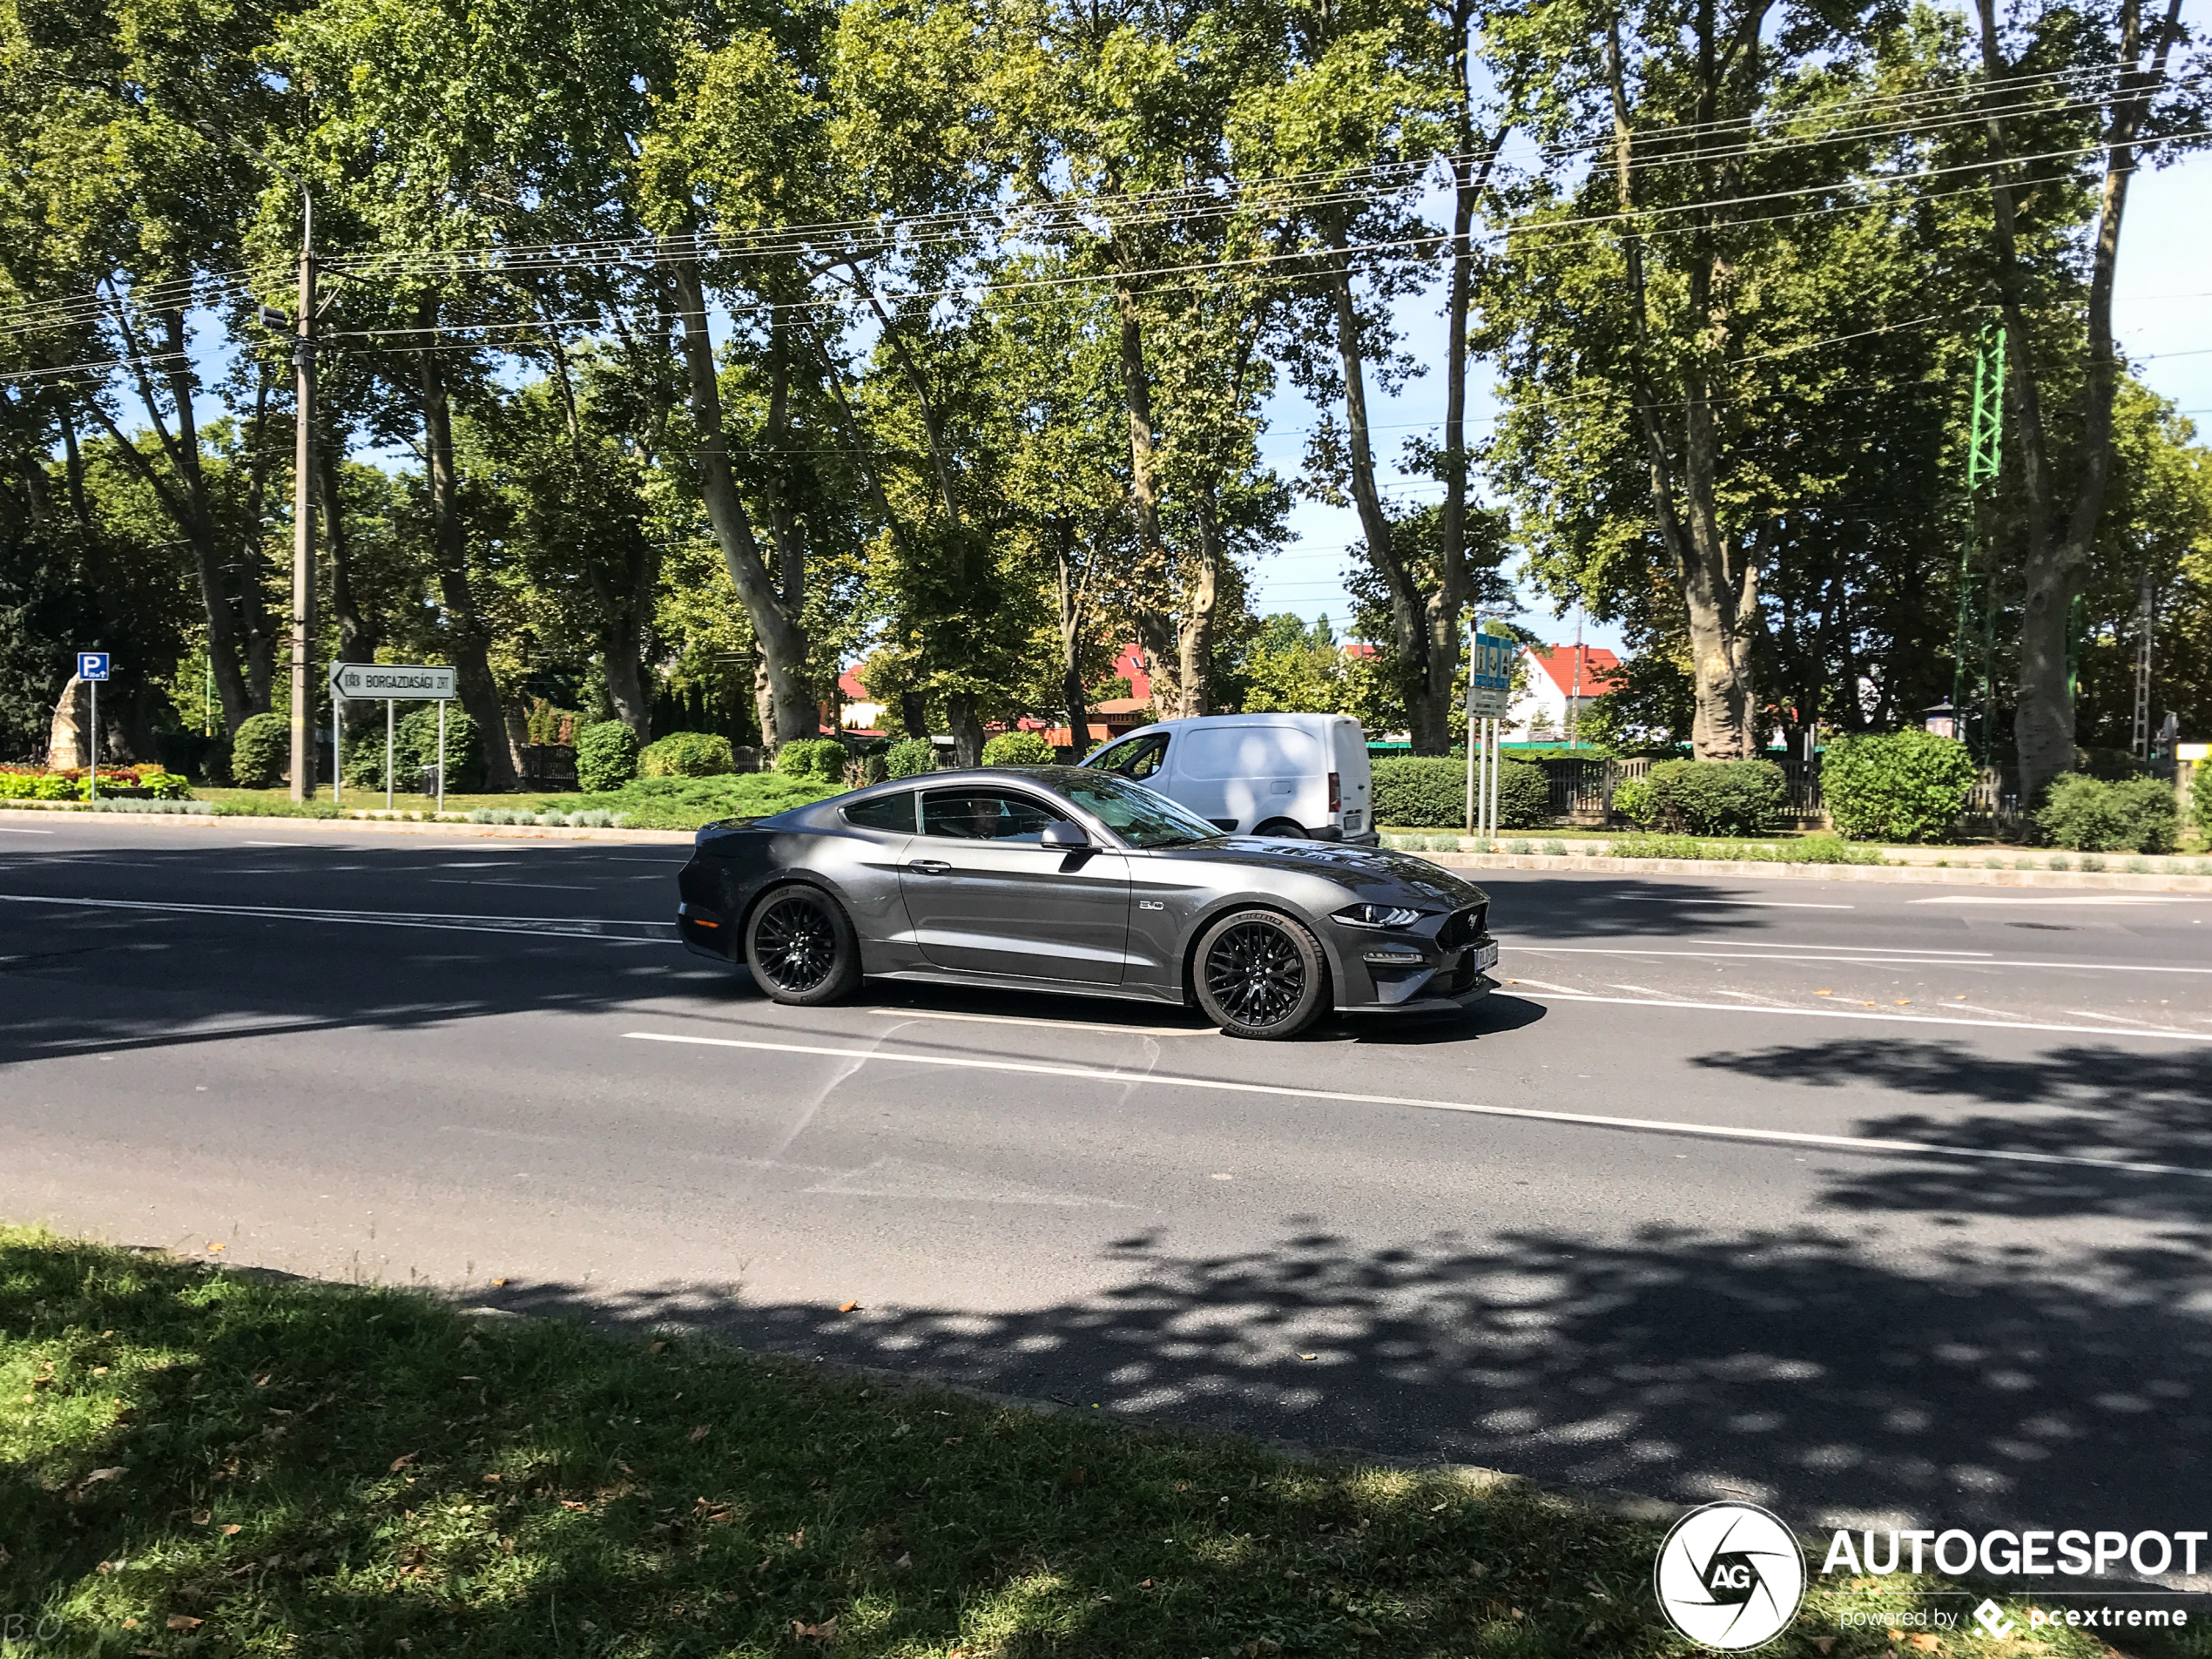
(1155, 629)
(449, 546)
(967, 729)
(913, 715)
(2061, 534)
(790, 714)
(1193, 638)
(1070, 594)
(356, 633)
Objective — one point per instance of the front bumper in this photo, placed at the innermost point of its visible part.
(1424, 980)
(1432, 1001)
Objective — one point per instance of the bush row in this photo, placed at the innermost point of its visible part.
(144, 782)
(1430, 791)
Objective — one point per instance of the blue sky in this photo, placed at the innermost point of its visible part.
(2161, 312)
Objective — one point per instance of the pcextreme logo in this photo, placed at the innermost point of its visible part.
(1729, 1577)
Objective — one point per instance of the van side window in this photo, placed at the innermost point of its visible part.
(1139, 758)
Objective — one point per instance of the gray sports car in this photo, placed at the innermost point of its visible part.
(1059, 879)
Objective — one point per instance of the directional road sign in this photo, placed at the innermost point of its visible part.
(1490, 676)
(92, 665)
(409, 682)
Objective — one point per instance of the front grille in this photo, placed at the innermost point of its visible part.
(1462, 927)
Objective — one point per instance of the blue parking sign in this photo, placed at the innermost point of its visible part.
(92, 664)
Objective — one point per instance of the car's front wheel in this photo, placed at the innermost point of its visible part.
(801, 948)
(1258, 973)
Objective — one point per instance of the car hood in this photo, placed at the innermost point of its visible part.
(1366, 873)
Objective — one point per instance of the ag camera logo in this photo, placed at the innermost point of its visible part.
(1729, 1577)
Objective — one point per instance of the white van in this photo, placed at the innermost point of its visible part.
(1257, 774)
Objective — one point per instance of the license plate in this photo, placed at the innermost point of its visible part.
(1352, 820)
(1486, 955)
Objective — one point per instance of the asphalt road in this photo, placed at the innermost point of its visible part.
(1807, 1192)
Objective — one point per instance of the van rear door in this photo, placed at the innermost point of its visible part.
(1356, 780)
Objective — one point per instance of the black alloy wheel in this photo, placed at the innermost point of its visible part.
(802, 948)
(1260, 975)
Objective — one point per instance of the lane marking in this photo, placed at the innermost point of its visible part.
(1875, 958)
(1061, 1025)
(1542, 985)
(1887, 950)
(1860, 1144)
(548, 927)
(275, 843)
(9, 829)
(2106, 898)
(1759, 904)
(1899, 1019)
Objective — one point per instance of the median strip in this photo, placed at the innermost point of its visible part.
(1854, 1144)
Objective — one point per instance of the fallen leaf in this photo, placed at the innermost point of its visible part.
(570, 1503)
(848, 1307)
(1364, 1631)
(1826, 1644)
(1144, 1584)
(1824, 993)
(215, 1248)
(700, 1434)
(262, 1381)
(399, 1463)
(116, 1473)
(625, 1467)
(233, 1530)
(497, 1282)
(904, 1562)
(1309, 1356)
(184, 1622)
(954, 1439)
(491, 1479)
(1924, 1644)
(130, 1624)
(798, 1539)
(201, 1517)
(824, 1632)
(1075, 1476)
(655, 1347)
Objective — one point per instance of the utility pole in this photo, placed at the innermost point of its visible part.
(1977, 629)
(2139, 739)
(303, 512)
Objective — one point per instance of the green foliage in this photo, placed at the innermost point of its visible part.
(2200, 796)
(1634, 800)
(821, 759)
(1418, 791)
(911, 757)
(1907, 785)
(606, 756)
(260, 751)
(687, 802)
(687, 754)
(414, 747)
(1715, 797)
(2088, 814)
(1018, 749)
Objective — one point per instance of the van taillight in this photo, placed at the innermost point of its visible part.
(1336, 792)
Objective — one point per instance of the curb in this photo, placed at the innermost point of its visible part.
(375, 825)
(1940, 875)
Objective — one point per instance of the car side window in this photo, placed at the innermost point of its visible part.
(1137, 758)
(894, 812)
(983, 815)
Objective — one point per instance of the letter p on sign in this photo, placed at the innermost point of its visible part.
(92, 664)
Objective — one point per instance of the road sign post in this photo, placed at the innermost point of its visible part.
(92, 668)
(393, 683)
(1489, 695)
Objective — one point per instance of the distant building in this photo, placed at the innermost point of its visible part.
(1559, 682)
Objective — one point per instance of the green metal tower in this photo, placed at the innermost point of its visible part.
(1973, 679)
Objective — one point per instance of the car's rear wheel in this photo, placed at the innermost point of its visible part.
(1283, 829)
(802, 948)
(1258, 973)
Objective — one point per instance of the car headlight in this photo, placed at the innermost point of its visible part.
(1379, 915)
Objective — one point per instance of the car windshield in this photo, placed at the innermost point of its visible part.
(1141, 818)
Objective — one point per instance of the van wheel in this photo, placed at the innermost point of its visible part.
(1258, 973)
(1283, 830)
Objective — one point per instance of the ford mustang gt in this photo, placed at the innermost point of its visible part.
(1060, 878)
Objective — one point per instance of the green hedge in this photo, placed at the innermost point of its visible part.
(606, 755)
(414, 745)
(260, 750)
(1908, 785)
(815, 760)
(911, 757)
(1706, 797)
(1430, 791)
(687, 754)
(1018, 749)
(2087, 814)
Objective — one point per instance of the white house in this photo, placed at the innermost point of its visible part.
(1557, 681)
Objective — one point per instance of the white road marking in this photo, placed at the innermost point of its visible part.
(275, 844)
(1061, 1025)
(2070, 897)
(1757, 904)
(1542, 985)
(548, 927)
(1876, 958)
(494, 881)
(1900, 1019)
(9, 829)
(1859, 1144)
(1887, 950)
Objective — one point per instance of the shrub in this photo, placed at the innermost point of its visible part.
(864, 770)
(166, 786)
(2087, 814)
(1632, 799)
(812, 760)
(2200, 796)
(1715, 797)
(1418, 791)
(1018, 749)
(687, 754)
(1907, 785)
(260, 750)
(414, 748)
(606, 756)
(910, 757)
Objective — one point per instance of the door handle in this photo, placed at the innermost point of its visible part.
(928, 867)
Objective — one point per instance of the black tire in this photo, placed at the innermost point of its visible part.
(802, 948)
(1283, 829)
(1259, 974)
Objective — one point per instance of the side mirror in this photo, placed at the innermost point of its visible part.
(1066, 836)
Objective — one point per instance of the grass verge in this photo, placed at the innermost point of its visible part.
(200, 1462)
